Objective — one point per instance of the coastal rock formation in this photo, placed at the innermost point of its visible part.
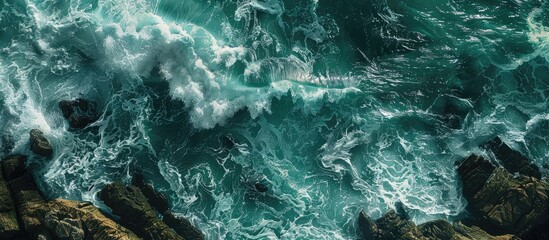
(393, 226)
(79, 112)
(500, 201)
(512, 160)
(157, 200)
(40, 144)
(182, 226)
(9, 227)
(135, 212)
(41, 219)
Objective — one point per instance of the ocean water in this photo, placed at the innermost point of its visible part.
(336, 106)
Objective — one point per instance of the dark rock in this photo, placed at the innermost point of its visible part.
(367, 226)
(261, 187)
(511, 159)
(9, 227)
(40, 144)
(503, 203)
(438, 229)
(80, 112)
(13, 166)
(7, 143)
(452, 109)
(157, 200)
(182, 226)
(135, 212)
(394, 226)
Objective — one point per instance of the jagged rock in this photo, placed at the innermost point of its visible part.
(368, 227)
(13, 166)
(500, 201)
(157, 200)
(395, 226)
(57, 219)
(135, 212)
(511, 159)
(9, 227)
(40, 144)
(182, 226)
(80, 112)
(7, 143)
(81, 220)
(474, 233)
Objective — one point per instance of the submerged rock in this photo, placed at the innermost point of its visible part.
(511, 159)
(13, 166)
(40, 144)
(80, 112)
(135, 212)
(500, 201)
(182, 226)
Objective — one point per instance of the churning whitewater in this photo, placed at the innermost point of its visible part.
(336, 106)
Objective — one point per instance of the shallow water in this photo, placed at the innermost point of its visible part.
(336, 106)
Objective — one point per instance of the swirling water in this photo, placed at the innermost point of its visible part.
(336, 106)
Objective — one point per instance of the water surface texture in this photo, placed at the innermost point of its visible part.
(336, 106)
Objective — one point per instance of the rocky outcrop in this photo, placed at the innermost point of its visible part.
(512, 160)
(182, 226)
(57, 219)
(79, 112)
(9, 227)
(158, 201)
(502, 202)
(394, 226)
(40, 144)
(135, 212)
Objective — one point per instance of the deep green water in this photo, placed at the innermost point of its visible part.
(336, 106)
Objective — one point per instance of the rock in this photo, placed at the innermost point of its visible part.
(453, 110)
(135, 212)
(57, 219)
(7, 143)
(13, 166)
(81, 220)
(9, 227)
(157, 200)
(511, 159)
(40, 144)
(394, 226)
(474, 233)
(80, 112)
(182, 226)
(438, 229)
(501, 202)
(367, 226)
(227, 141)
(261, 187)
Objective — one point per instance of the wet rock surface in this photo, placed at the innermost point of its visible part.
(40, 144)
(393, 226)
(129, 203)
(182, 226)
(79, 112)
(37, 218)
(500, 201)
(157, 200)
(512, 160)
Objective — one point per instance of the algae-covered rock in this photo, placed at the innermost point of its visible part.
(135, 212)
(39, 143)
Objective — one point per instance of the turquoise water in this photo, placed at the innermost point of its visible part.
(336, 106)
